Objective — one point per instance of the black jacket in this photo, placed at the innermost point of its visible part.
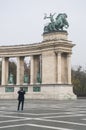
(21, 95)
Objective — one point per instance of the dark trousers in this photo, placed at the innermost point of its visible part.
(21, 103)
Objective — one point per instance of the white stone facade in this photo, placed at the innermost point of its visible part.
(52, 56)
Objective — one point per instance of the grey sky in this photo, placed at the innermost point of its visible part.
(21, 22)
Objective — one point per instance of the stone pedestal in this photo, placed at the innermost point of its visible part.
(56, 58)
(55, 36)
(56, 65)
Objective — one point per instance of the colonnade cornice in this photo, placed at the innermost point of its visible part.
(32, 49)
(69, 51)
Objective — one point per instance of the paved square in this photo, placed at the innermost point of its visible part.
(43, 115)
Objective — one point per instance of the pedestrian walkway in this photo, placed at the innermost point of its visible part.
(43, 115)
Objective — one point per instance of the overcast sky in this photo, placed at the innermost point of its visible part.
(21, 22)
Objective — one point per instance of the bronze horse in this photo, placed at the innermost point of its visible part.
(59, 24)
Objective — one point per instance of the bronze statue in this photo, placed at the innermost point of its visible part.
(11, 80)
(26, 79)
(52, 27)
(38, 78)
(59, 23)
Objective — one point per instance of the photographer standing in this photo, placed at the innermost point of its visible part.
(21, 94)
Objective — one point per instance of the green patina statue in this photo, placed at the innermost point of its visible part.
(26, 79)
(11, 80)
(38, 78)
(59, 23)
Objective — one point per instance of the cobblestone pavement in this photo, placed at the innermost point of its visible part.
(43, 115)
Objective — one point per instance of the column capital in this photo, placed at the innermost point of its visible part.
(59, 53)
(69, 54)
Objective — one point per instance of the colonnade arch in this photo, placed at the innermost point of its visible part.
(20, 70)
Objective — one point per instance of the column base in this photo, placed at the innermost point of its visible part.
(42, 91)
(55, 92)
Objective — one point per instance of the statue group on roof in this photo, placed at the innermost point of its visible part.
(59, 23)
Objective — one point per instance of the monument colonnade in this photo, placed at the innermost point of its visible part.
(51, 57)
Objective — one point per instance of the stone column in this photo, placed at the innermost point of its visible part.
(69, 68)
(32, 70)
(20, 70)
(4, 71)
(48, 67)
(35, 66)
(59, 68)
(41, 67)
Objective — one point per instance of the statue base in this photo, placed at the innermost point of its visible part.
(25, 83)
(10, 84)
(56, 35)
